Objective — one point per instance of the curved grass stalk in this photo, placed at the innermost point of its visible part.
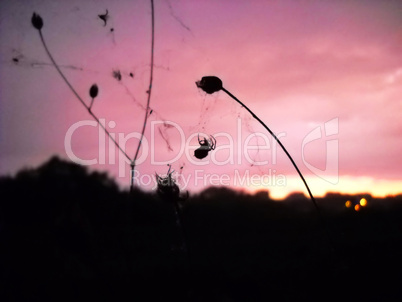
(280, 144)
(78, 97)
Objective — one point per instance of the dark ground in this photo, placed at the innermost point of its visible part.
(70, 235)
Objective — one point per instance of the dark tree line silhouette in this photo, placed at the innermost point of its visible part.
(70, 234)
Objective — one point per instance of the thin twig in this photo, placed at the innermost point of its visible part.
(149, 95)
(92, 102)
(77, 95)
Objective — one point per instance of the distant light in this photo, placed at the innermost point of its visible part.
(357, 207)
(348, 204)
(363, 202)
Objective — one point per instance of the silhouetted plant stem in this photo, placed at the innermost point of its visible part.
(179, 222)
(183, 238)
(77, 95)
(92, 102)
(279, 142)
(58, 69)
(330, 243)
(149, 94)
(132, 167)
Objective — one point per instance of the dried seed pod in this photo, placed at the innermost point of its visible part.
(37, 21)
(93, 91)
(210, 84)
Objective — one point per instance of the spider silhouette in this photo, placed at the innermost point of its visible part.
(206, 145)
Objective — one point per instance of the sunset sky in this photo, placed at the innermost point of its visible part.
(325, 76)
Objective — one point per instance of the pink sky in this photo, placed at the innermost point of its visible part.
(297, 64)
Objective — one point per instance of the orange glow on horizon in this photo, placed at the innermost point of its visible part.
(347, 185)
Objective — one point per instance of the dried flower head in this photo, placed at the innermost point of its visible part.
(37, 21)
(93, 91)
(210, 84)
(167, 187)
(104, 17)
